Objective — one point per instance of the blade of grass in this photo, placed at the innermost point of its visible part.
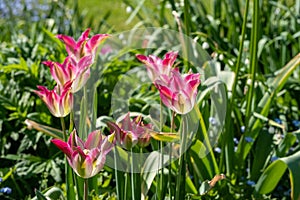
(253, 59)
(227, 139)
(264, 105)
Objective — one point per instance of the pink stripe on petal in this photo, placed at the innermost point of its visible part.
(166, 92)
(66, 90)
(69, 42)
(94, 153)
(170, 58)
(74, 140)
(47, 63)
(194, 84)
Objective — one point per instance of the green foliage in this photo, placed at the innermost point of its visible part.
(260, 72)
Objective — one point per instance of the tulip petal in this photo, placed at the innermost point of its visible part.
(94, 42)
(84, 37)
(88, 167)
(94, 140)
(69, 42)
(63, 146)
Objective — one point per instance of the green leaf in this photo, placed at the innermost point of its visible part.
(52, 132)
(199, 149)
(272, 175)
(40, 195)
(50, 193)
(135, 12)
(190, 187)
(198, 156)
(149, 170)
(165, 137)
(261, 151)
(293, 163)
(16, 67)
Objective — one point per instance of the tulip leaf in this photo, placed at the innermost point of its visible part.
(270, 178)
(50, 193)
(293, 163)
(149, 170)
(165, 137)
(52, 132)
(40, 195)
(272, 175)
(198, 155)
(190, 187)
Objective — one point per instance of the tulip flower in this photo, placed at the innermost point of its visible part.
(180, 92)
(86, 158)
(59, 100)
(130, 133)
(84, 46)
(158, 68)
(70, 70)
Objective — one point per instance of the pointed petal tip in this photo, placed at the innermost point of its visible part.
(141, 57)
(47, 63)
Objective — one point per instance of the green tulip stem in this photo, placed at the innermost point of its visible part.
(118, 189)
(85, 189)
(126, 177)
(68, 169)
(170, 155)
(180, 183)
(133, 184)
(63, 127)
(160, 193)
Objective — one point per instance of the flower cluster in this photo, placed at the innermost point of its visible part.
(177, 91)
(72, 74)
(86, 158)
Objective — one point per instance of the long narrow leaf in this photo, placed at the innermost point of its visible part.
(264, 105)
(272, 175)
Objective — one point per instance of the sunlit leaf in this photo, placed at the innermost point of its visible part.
(165, 137)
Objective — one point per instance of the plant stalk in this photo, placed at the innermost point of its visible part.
(85, 189)
(180, 183)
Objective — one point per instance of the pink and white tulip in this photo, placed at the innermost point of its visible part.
(158, 68)
(59, 100)
(180, 92)
(86, 158)
(84, 46)
(70, 70)
(131, 132)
